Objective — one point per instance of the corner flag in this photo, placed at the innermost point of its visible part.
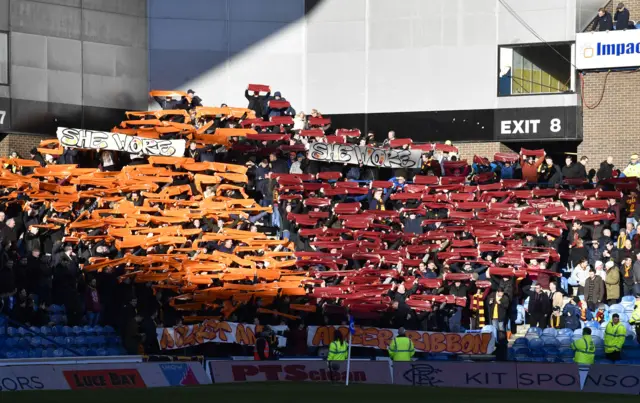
(352, 331)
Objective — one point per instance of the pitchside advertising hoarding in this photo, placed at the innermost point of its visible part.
(616, 379)
(101, 376)
(605, 50)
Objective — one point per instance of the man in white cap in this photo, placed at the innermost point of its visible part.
(633, 169)
(600, 269)
(612, 281)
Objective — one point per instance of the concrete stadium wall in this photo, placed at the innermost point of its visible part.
(75, 62)
(360, 56)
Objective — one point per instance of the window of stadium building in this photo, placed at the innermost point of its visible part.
(4, 58)
(535, 69)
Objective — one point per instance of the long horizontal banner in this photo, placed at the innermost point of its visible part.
(101, 376)
(300, 371)
(213, 331)
(361, 155)
(430, 342)
(91, 139)
(615, 379)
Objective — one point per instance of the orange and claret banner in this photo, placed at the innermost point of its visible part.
(213, 331)
(428, 342)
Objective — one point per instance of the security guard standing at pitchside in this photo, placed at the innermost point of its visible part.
(614, 336)
(584, 348)
(401, 348)
(338, 348)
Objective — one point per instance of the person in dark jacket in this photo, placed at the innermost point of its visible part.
(621, 17)
(604, 22)
(498, 304)
(549, 172)
(571, 169)
(539, 306)
(278, 166)
(594, 288)
(257, 102)
(571, 314)
(195, 99)
(606, 169)
(412, 223)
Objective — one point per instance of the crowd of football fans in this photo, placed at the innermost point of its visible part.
(445, 245)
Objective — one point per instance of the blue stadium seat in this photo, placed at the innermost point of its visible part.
(67, 331)
(616, 308)
(101, 352)
(78, 331)
(604, 361)
(58, 353)
(89, 331)
(79, 341)
(35, 353)
(550, 341)
(91, 352)
(24, 343)
(109, 330)
(565, 332)
(12, 331)
(550, 332)
(533, 332)
(536, 344)
(12, 354)
(46, 330)
(521, 342)
(36, 341)
(113, 351)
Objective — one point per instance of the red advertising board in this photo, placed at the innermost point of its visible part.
(105, 379)
(299, 371)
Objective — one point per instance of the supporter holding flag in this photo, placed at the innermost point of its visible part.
(571, 169)
(530, 167)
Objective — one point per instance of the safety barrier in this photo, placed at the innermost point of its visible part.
(616, 379)
(78, 376)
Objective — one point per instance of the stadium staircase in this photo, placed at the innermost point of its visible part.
(18, 341)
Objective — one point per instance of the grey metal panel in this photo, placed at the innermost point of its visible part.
(70, 3)
(245, 34)
(136, 8)
(170, 71)
(29, 50)
(112, 92)
(338, 37)
(99, 59)
(4, 91)
(133, 93)
(196, 9)
(4, 15)
(131, 62)
(29, 83)
(115, 29)
(202, 35)
(390, 10)
(390, 34)
(333, 11)
(64, 87)
(64, 54)
(45, 19)
(261, 10)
